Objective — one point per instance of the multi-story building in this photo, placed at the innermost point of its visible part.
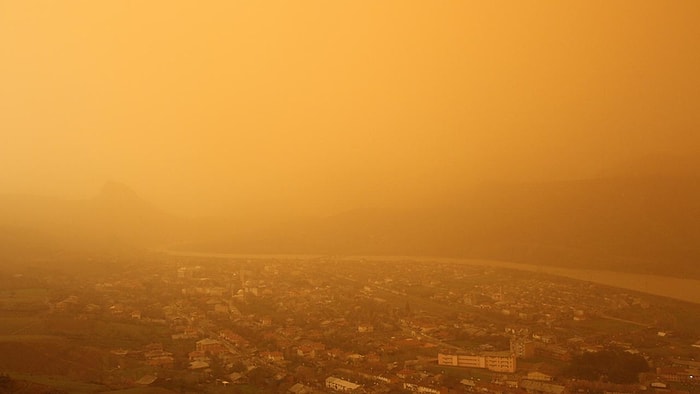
(522, 347)
(500, 361)
(208, 345)
(338, 384)
(493, 361)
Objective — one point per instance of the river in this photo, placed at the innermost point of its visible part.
(676, 288)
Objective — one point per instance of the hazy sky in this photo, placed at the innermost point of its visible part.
(319, 106)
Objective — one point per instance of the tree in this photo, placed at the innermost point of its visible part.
(613, 365)
(6, 383)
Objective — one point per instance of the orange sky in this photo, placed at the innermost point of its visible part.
(320, 106)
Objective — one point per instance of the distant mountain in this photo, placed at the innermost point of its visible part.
(657, 165)
(641, 221)
(115, 218)
(636, 223)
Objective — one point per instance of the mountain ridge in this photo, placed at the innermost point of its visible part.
(631, 223)
(645, 224)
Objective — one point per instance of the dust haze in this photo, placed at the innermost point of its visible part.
(552, 134)
(234, 108)
(356, 196)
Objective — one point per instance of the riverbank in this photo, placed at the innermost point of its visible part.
(676, 288)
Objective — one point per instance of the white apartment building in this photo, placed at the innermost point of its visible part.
(493, 361)
(338, 384)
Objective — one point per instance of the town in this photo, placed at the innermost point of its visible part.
(298, 324)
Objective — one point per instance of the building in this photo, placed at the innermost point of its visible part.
(522, 347)
(272, 356)
(676, 374)
(539, 376)
(500, 361)
(301, 389)
(420, 389)
(338, 384)
(535, 387)
(553, 352)
(461, 360)
(233, 338)
(207, 344)
(493, 361)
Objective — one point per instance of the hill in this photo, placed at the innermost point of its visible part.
(642, 224)
(114, 219)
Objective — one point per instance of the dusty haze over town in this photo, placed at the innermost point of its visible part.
(359, 196)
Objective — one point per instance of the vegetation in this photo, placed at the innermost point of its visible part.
(611, 365)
